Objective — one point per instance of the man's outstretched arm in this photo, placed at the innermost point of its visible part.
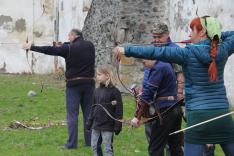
(49, 50)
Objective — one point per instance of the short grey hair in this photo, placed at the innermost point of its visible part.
(77, 32)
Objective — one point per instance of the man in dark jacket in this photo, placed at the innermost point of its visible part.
(160, 88)
(79, 56)
(161, 36)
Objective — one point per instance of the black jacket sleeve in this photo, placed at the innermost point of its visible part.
(118, 111)
(62, 51)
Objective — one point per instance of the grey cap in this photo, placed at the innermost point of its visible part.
(159, 28)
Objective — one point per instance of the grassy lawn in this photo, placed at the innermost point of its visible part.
(49, 107)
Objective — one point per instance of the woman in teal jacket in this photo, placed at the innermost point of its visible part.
(203, 64)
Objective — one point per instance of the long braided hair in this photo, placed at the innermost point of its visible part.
(212, 70)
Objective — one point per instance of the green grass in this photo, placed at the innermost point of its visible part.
(49, 106)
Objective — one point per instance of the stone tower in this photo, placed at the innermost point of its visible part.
(123, 21)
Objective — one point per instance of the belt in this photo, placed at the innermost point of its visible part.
(80, 78)
(166, 98)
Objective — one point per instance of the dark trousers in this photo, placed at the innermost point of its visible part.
(209, 151)
(83, 95)
(159, 134)
(99, 147)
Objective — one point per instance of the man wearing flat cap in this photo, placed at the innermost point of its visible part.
(157, 133)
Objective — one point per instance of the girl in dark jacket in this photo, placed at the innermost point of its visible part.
(108, 97)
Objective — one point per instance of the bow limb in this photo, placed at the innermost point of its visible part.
(27, 51)
(116, 60)
(121, 82)
(142, 121)
(123, 121)
(178, 103)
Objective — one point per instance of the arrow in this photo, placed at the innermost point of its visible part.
(202, 123)
(15, 43)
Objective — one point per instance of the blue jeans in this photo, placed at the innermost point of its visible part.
(107, 138)
(197, 150)
(80, 94)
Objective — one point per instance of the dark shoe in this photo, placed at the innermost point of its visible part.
(68, 147)
(87, 145)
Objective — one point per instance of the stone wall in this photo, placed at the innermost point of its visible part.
(123, 21)
(108, 22)
(181, 13)
(42, 21)
(129, 21)
(27, 18)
